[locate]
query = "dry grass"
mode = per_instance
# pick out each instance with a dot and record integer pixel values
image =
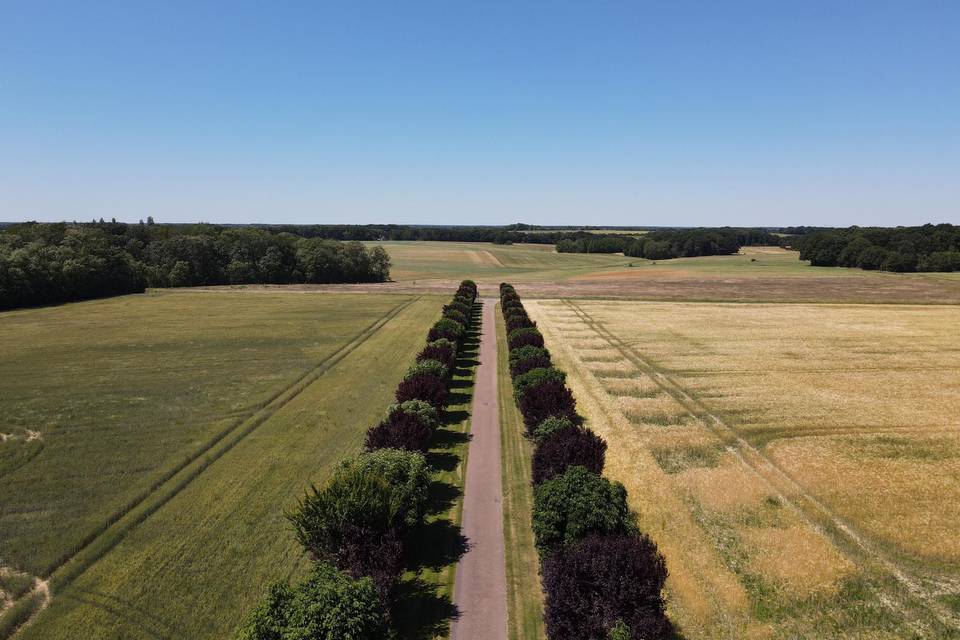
(799, 465)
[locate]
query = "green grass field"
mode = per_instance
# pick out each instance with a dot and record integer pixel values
(175, 430)
(481, 260)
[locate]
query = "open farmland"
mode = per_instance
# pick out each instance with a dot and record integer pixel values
(422, 260)
(756, 274)
(153, 443)
(798, 464)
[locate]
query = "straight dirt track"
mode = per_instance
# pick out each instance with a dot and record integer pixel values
(480, 590)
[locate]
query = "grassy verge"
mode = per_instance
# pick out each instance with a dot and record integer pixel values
(524, 594)
(425, 606)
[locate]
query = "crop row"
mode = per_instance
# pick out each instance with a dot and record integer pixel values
(602, 577)
(356, 527)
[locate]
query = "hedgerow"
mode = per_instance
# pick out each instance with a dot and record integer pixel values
(425, 386)
(566, 448)
(531, 380)
(328, 604)
(551, 399)
(551, 425)
(528, 336)
(603, 579)
(355, 526)
(605, 583)
(576, 503)
(446, 328)
(400, 430)
(441, 350)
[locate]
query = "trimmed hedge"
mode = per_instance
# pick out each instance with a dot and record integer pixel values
(603, 579)
(358, 521)
(401, 430)
(551, 399)
(531, 380)
(441, 350)
(577, 503)
(427, 368)
(551, 425)
(528, 336)
(425, 386)
(446, 328)
(328, 604)
(604, 583)
(576, 446)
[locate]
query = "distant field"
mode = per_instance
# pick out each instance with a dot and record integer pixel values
(798, 464)
(755, 274)
(174, 429)
(481, 260)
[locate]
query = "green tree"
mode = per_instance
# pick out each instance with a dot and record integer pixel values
(576, 503)
(329, 605)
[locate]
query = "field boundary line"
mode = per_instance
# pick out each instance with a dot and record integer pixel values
(116, 528)
(765, 468)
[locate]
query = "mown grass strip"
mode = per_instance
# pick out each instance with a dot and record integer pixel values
(524, 594)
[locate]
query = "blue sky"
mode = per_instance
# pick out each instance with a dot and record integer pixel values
(626, 113)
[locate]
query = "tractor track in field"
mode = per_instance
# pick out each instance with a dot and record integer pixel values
(808, 507)
(118, 525)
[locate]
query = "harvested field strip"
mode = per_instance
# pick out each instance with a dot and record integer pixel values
(912, 596)
(119, 524)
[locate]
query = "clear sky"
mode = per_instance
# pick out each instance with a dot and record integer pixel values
(483, 112)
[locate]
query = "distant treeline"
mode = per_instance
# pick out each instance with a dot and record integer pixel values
(926, 248)
(497, 235)
(676, 243)
(48, 263)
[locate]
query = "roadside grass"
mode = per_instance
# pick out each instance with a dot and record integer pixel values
(524, 592)
(203, 552)
(852, 405)
(425, 603)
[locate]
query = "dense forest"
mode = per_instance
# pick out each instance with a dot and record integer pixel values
(673, 243)
(926, 248)
(50, 263)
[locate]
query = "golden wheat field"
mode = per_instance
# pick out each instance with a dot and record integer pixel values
(797, 464)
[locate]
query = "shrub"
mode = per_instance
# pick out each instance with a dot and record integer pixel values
(606, 587)
(426, 413)
(526, 352)
(531, 380)
(566, 448)
(441, 350)
(355, 523)
(551, 399)
(462, 307)
(524, 337)
(427, 367)
(519, 322)
(577, 503)
(520, 367)
(455, 315)
(329, 604)
(446, 328)
(400, 430)
(551, 425)
(407, 473)
(423, 387)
